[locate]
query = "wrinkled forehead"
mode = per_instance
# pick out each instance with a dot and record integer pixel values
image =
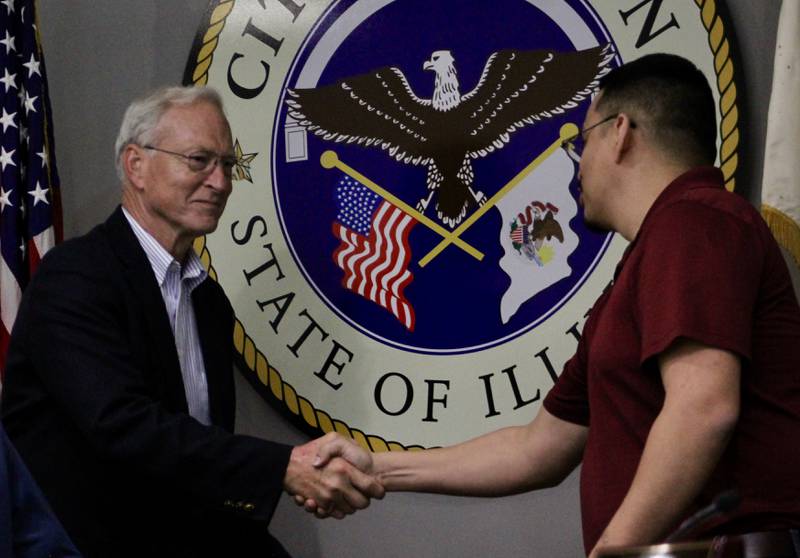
(201, 119)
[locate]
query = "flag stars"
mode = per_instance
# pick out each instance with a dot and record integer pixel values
(39, 194)
(7, 120)
(29, 103)
(5, 199)
(9, 80)
(6, 158)
(8, 42)
(43, 156)
(9, 4)
(356, 205)
(33, 66)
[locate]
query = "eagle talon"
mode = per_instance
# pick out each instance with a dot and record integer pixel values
(423, 203)
(479, 197)
(570, 149)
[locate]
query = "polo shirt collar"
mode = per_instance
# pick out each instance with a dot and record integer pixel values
(693, 179)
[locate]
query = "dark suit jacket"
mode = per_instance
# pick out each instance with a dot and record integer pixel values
(94, 402)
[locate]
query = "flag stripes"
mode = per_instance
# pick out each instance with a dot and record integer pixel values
(375, 265)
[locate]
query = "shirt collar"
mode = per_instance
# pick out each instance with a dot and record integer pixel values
(693, 179)
(161, 260)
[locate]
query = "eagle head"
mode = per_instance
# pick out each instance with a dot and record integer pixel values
(445, 89)
(439, 62)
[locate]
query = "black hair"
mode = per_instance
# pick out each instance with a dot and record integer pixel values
(673, 97)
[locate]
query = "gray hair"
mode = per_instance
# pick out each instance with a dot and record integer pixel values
(143, 115)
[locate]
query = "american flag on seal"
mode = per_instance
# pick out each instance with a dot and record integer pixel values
(30, 205)
(374, 252)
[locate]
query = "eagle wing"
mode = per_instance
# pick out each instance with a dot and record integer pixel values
(375, 108)
(518, 88)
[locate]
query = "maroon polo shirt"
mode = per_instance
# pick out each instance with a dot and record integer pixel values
(703, 266)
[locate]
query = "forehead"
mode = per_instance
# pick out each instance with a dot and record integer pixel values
(591, 114)
(200, 123)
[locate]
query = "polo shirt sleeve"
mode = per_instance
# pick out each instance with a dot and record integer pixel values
(569, 399)
(697, 277)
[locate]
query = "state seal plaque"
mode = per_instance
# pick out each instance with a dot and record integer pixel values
(404, 248)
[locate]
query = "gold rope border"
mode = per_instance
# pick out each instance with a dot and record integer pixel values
(723, 66)
(255, 360)
(210, 41)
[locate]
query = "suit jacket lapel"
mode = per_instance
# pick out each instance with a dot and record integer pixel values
(146, 290)
(215, 329)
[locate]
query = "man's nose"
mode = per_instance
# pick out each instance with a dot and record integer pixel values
(218, 178)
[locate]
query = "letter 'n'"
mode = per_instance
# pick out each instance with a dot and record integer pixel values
(647, 34)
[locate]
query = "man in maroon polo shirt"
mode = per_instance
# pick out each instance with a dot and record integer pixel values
(686, 382)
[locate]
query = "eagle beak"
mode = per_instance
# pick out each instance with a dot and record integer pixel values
(428, 65)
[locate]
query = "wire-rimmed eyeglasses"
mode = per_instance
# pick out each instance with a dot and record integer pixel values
(202, 161)
(578, 140)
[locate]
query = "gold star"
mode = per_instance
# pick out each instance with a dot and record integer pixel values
(242, 169)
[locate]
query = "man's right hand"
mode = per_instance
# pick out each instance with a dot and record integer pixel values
(331, 486)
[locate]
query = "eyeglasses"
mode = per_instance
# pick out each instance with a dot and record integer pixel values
(578, 141)
(202, 161)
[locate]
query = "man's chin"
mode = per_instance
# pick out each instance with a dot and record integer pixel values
(594, 225)
(208, 216)
(206, 225)
(597, 228)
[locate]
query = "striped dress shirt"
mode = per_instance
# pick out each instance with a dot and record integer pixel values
(177, 283)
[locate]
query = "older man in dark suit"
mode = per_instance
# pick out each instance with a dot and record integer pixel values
(119, 391)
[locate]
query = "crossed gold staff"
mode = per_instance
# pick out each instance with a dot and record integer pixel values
(330, 159)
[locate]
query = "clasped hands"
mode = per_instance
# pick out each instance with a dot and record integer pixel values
(332, 476)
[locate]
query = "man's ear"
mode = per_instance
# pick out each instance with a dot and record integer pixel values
(133, 163)
(623, 130)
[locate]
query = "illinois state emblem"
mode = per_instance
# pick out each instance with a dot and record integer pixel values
(404, 246)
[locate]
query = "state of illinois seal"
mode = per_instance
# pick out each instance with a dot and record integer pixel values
(403, 247)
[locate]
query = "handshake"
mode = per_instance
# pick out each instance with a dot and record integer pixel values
(332, 476)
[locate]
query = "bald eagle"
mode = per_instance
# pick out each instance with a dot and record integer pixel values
(516, 89)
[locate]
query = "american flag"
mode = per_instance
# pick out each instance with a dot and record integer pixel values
(30, 208)
(374, 252)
